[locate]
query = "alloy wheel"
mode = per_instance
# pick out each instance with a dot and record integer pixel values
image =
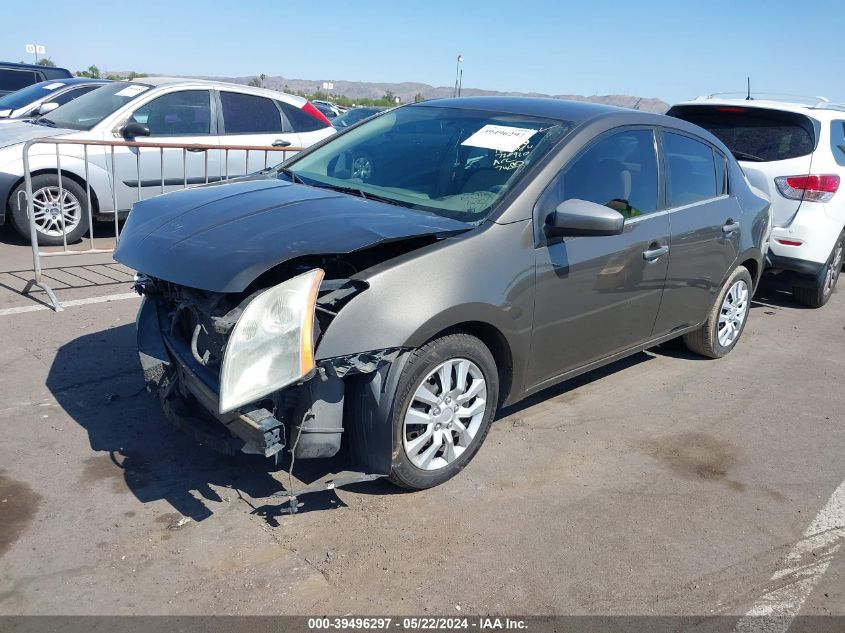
(833, 270)
(52, 216)
(732, 313)
(445, 414)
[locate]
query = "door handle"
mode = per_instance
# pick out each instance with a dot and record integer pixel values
(281, 143)
(195, 149)
(730, 227)
(653, 253)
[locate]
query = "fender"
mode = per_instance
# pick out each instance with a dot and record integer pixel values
(431, 290)
(73, 163)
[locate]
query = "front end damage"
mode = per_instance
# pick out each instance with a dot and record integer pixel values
(182, 336)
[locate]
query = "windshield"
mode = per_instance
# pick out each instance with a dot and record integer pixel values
(30, 94)
(453, 162)
(89, 109)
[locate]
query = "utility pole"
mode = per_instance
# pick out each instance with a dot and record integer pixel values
(458, 75)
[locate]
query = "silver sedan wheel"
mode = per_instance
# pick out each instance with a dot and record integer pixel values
(733, 312)
(833, 270)
(49, 211)
(445, 414)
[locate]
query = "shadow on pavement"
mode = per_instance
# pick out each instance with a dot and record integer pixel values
(774, 291)
(141, 452)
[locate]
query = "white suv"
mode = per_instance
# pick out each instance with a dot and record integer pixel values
(148, 110)
(795, 152)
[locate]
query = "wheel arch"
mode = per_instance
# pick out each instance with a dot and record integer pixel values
(70, 175)
(496, 342)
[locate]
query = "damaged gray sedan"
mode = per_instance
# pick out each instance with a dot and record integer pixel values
(385, 292)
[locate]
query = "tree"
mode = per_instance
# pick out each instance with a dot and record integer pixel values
(388, 96)
(46, 61)
(418, 97)
(93, 72)
(255, 82)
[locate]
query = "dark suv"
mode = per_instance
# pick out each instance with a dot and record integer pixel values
(13, 76)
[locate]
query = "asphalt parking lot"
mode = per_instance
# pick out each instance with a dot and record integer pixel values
(663, 484)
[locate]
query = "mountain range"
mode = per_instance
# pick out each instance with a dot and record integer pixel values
(407, 91)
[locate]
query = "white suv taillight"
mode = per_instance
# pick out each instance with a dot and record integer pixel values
(815, 188)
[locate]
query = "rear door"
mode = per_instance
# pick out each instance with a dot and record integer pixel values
(251, 120)
(768, 144)
(704, 221)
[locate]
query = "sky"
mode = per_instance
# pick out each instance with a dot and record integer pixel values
(673, 50)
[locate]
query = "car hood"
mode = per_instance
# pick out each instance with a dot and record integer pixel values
(16, 132)
(222, 237)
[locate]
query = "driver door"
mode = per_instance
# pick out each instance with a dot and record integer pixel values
(598, 296)
(182, 117)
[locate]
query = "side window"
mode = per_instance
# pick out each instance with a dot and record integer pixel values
(837, 141)
(301, 121)
(70, 95)
(248, 114)
(619, 171)
(691, 172)
(185, 113)
(13, 80)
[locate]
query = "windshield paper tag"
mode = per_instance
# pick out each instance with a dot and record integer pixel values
(53, 86)
(131, 91)
(500, 137)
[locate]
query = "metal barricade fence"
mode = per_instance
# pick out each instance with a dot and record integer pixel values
(108, 160)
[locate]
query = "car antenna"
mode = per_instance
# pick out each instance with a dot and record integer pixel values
(749, 97)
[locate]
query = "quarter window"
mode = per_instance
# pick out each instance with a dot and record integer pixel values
(619, 171)
(837, 141)
(248, 114)
(185, 113)
(300, 120)
(721, 174)
(691, 171)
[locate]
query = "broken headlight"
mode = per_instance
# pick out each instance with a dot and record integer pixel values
(271, 345)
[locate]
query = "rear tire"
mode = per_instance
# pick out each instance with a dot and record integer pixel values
(437, 430)
(45, 188)
(819, 293)
(727, 318)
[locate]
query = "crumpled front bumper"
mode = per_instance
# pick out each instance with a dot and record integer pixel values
(188, 393)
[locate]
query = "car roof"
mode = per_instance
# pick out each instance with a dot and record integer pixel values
(546, 107)
(34, 67)
(188, 81)
(72, 81)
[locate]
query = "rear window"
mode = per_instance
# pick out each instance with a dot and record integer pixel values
(12, 80)
(837, 141)
(754, 134)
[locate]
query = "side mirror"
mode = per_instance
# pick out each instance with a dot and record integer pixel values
(573, 218)
(133, 130)
(44, 108)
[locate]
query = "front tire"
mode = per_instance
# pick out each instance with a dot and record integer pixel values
(727, 318)
(49, 210)
(446, 398)
(819, 293)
